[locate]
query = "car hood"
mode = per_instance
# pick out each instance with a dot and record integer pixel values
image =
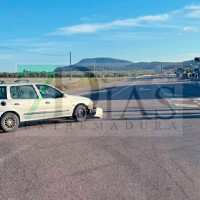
(78, 98)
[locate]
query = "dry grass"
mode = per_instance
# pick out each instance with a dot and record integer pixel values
(67, 84)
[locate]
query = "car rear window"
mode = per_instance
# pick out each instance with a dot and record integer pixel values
(3, 93)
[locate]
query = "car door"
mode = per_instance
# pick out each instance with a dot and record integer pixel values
(26, 101)
(56, 103)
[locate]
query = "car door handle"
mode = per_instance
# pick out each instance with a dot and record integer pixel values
(16, 104)
(47, 102)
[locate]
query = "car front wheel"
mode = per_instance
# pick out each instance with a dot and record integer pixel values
(9, 122)
(80, 113)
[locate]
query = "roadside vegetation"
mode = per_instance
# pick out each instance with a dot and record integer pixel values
(67, 84)
(79, 79)
(77, 74)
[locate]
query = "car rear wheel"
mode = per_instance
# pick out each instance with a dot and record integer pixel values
(80, 113)
(9, 122)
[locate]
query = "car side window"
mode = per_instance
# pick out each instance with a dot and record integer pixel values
(49, 92)
(23, 92)
(14, 92)
(3, 93)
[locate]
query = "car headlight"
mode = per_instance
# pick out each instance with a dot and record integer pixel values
(90, 105)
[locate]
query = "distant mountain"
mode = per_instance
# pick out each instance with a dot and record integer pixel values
(152, 65)
(109, 62)
(89, 64)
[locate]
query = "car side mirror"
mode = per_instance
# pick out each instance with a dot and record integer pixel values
(64, 95)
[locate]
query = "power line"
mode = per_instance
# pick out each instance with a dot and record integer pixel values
(30, 52)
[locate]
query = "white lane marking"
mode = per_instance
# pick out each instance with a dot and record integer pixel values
(8, 156)
(168, 100)
(99, 91)
(85, 93)
(170, 95)
(197, 101)
(122, 90)
(186, 105)
(180, 99)
(118, 92)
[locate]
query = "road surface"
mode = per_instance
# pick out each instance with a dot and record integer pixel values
(146, 147)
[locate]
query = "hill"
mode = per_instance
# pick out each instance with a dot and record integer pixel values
(99, 64)
(89, 64)
(111, 62)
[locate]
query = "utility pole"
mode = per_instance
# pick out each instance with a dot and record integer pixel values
(94, 69)
(70, 65)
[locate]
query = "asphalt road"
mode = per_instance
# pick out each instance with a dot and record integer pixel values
(146, 147)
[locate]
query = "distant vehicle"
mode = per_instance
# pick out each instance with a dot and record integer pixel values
(25, 101)
(179, 71)
(183, 76)
(193, 75)
(197, 59)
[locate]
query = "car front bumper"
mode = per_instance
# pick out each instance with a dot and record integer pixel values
(97, 112)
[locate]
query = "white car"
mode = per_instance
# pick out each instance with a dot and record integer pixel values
(26, 101)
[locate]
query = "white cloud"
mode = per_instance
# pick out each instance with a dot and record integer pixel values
(153, 18)
(193, 7)
(82, 28)
(194, 14)
(194, 10)
(137, 21)
(95, 27)
(190, 28)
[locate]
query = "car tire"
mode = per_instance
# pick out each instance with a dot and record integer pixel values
(80, 113)
(9, 122)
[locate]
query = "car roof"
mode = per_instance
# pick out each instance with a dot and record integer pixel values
(18, 83)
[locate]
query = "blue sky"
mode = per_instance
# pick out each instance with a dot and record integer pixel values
(44, 32)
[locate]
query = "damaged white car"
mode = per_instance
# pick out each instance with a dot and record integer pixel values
(26, 101)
